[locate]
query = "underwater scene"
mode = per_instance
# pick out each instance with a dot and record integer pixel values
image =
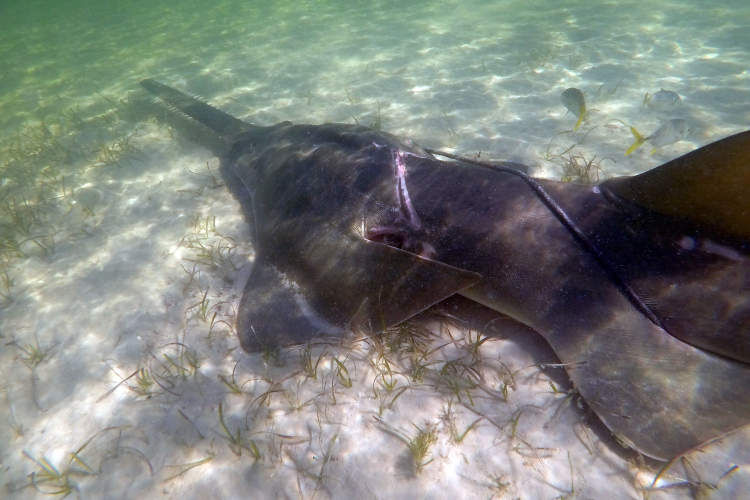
(510, 343)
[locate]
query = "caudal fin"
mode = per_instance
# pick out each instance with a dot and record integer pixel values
(639, 140)
(218, 121)
(581, 116)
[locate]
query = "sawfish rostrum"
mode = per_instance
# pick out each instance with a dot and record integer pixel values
(641, 285)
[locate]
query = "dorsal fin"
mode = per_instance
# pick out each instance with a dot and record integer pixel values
(218, 121)
(710, 186)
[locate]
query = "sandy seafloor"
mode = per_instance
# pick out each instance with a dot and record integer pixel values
(130, 255)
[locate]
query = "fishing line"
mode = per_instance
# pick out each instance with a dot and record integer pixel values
(569, 225)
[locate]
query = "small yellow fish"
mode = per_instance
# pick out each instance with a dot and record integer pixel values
(572, 99)
(669, 133)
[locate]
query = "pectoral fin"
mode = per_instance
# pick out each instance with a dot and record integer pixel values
(364, 285)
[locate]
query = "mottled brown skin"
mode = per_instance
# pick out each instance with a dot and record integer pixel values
(356, 229)
(654, 391)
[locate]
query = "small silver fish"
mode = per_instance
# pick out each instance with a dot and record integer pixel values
(662, 101)
(572, 99)
(669, 133)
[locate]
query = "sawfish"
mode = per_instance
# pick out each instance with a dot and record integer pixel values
(641, 285)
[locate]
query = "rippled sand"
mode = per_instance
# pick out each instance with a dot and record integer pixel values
(121, 376)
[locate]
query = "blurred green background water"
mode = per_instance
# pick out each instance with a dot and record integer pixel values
(94, 196)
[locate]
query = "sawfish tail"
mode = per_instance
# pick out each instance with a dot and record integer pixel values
(218, 121)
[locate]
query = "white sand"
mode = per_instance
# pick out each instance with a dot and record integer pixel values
(116, 294)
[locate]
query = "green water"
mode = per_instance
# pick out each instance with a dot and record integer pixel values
(106, 216)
